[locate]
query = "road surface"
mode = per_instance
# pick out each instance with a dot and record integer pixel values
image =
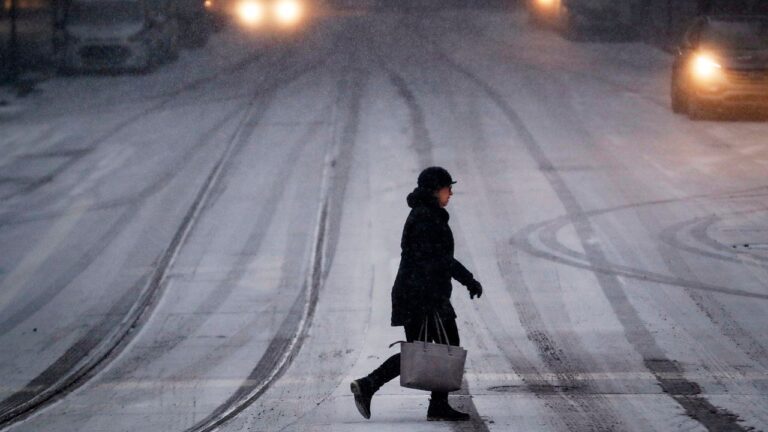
(212, 246)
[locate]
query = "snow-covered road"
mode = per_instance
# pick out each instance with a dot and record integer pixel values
(212, 246)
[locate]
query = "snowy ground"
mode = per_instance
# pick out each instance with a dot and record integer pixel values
(212, 245)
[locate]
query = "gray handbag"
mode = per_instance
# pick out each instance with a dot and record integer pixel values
(431, 366)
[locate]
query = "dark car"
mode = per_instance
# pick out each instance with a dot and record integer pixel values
(721, 64)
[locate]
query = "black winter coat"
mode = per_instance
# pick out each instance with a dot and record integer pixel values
(423, 282)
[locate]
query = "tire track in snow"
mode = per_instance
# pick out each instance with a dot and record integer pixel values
(699, 292)
(133, 201)
(68, 371)
(255, 238)
(706, 301)
(286, 345)
(75, 367)
(685, 392)
(696, 229)
(352, 82)
(164, 100)
(11, 319)
(553, 250)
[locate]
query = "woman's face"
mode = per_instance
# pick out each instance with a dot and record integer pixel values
(444, 195)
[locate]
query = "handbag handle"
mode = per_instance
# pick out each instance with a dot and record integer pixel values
(439, 325)
(424, 329)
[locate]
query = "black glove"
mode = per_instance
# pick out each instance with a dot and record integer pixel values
(475, 289)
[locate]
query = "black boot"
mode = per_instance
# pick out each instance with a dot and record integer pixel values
(363, 389)
(440, 410)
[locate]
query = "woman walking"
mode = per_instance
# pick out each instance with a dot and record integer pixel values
(423, 286)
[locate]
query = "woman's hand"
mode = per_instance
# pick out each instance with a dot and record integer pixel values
(475, 289)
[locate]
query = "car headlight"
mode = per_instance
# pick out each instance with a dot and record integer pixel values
(251, 12)
(288, 11)
(545, 4)
(705, 67)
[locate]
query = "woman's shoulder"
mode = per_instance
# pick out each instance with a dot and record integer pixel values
(427, 216)
(421, 214)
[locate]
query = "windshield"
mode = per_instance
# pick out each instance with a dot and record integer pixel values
(737, 35)
(107, 12)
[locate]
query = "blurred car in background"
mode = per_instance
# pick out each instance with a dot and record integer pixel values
(259, 14)
(586, 19)
(118, 35)
(722, 64)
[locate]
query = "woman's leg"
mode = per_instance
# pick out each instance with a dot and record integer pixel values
(385, 373)
(390, 369)
(439, 409)
(364, 388)
(452, 332)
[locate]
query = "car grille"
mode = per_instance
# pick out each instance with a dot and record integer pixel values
(748, 98)
(750, 78)
(105, 54)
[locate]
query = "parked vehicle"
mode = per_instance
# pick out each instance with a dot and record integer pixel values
(109, 35)
(722, 63)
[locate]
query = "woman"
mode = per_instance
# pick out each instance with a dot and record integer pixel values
(423, 286)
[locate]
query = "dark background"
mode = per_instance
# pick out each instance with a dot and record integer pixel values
(659, 22)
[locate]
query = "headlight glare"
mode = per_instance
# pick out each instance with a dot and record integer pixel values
(288, 11)
(250, 12)
(705, 66)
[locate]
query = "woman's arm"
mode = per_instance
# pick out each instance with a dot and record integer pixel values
(460, 273)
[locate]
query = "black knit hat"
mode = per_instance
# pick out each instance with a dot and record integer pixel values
(434, 178)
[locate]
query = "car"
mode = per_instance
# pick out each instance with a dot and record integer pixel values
(259, 15)
(721, 64)
(117, 35)
(584, 20)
